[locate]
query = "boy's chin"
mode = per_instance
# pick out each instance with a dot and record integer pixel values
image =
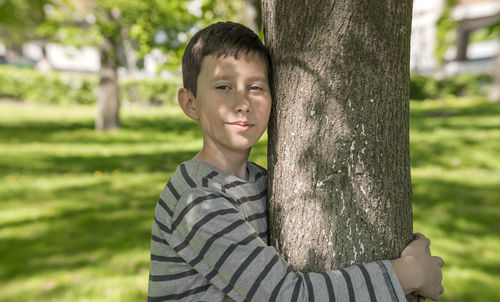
(243, 148)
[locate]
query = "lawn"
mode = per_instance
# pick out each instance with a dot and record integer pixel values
(76, 205)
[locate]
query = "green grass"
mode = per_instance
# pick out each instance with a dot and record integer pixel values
(76, 206)
(455, 156)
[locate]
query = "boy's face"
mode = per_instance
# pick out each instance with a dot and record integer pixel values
(233, 101)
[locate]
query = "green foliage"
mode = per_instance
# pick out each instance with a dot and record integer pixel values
(21, 12)
(428, 87)
(491, 32)
(88, 22)
(18, 20)
(445, 30)
(70, 88)
(77, 206)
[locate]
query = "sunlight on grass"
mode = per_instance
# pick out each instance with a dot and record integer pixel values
(76, 205)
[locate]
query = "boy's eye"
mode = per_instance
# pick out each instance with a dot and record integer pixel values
(223, 87)
(254, 87)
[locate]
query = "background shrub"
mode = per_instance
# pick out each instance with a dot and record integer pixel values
(428, 87)
(69, 88)
(152, 91)
(47, 87)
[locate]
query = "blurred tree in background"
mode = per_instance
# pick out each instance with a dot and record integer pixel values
(122, 31)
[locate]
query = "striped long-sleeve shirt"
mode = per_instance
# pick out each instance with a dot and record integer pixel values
(209, 243)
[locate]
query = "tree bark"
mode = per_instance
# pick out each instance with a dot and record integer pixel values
(108, 98)
(338, 153)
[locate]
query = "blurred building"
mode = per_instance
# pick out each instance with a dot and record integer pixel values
(423, 35)
(61, 57)
(464, 56)
(84, 59)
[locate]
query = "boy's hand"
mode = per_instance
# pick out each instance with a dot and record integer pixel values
(418, 271)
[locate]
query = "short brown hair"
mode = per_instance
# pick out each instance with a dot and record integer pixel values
(219, 39)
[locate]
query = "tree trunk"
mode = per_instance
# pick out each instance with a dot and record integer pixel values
(108, 99)
(14, 53)
(494, 94)
(338, 154)
(130, 60)
(43, 63)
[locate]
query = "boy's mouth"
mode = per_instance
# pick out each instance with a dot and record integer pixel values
(242, 125)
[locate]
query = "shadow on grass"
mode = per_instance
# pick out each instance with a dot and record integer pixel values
(430, 124)
(456, 153)
(96, 222)
(477, 107)
(45, 163)
(465, 135)
(83, 131)
(454, 202)
(146, 130)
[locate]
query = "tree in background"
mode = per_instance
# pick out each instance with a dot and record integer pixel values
(121, 30)
(338, 153)
(494, 94)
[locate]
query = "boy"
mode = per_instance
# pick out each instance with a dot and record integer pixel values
(209, 240)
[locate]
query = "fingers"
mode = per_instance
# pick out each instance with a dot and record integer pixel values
(438, 260)
(419, 237)
(437, 295)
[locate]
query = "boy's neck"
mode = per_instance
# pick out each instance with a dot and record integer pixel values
(234, 163)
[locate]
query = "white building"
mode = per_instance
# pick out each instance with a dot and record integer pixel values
(423, 35)
(462, 57)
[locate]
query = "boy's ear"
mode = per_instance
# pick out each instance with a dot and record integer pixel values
(187, 102)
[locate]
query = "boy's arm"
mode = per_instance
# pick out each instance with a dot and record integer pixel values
(418, 271)
(219, 244)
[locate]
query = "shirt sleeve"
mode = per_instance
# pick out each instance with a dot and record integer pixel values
(210, 234)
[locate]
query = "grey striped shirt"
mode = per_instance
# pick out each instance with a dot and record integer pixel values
(209, 243)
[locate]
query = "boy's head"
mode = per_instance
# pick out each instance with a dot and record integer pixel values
(220, 39)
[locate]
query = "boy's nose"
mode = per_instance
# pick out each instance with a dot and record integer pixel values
(242, 104)
(243, 108)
